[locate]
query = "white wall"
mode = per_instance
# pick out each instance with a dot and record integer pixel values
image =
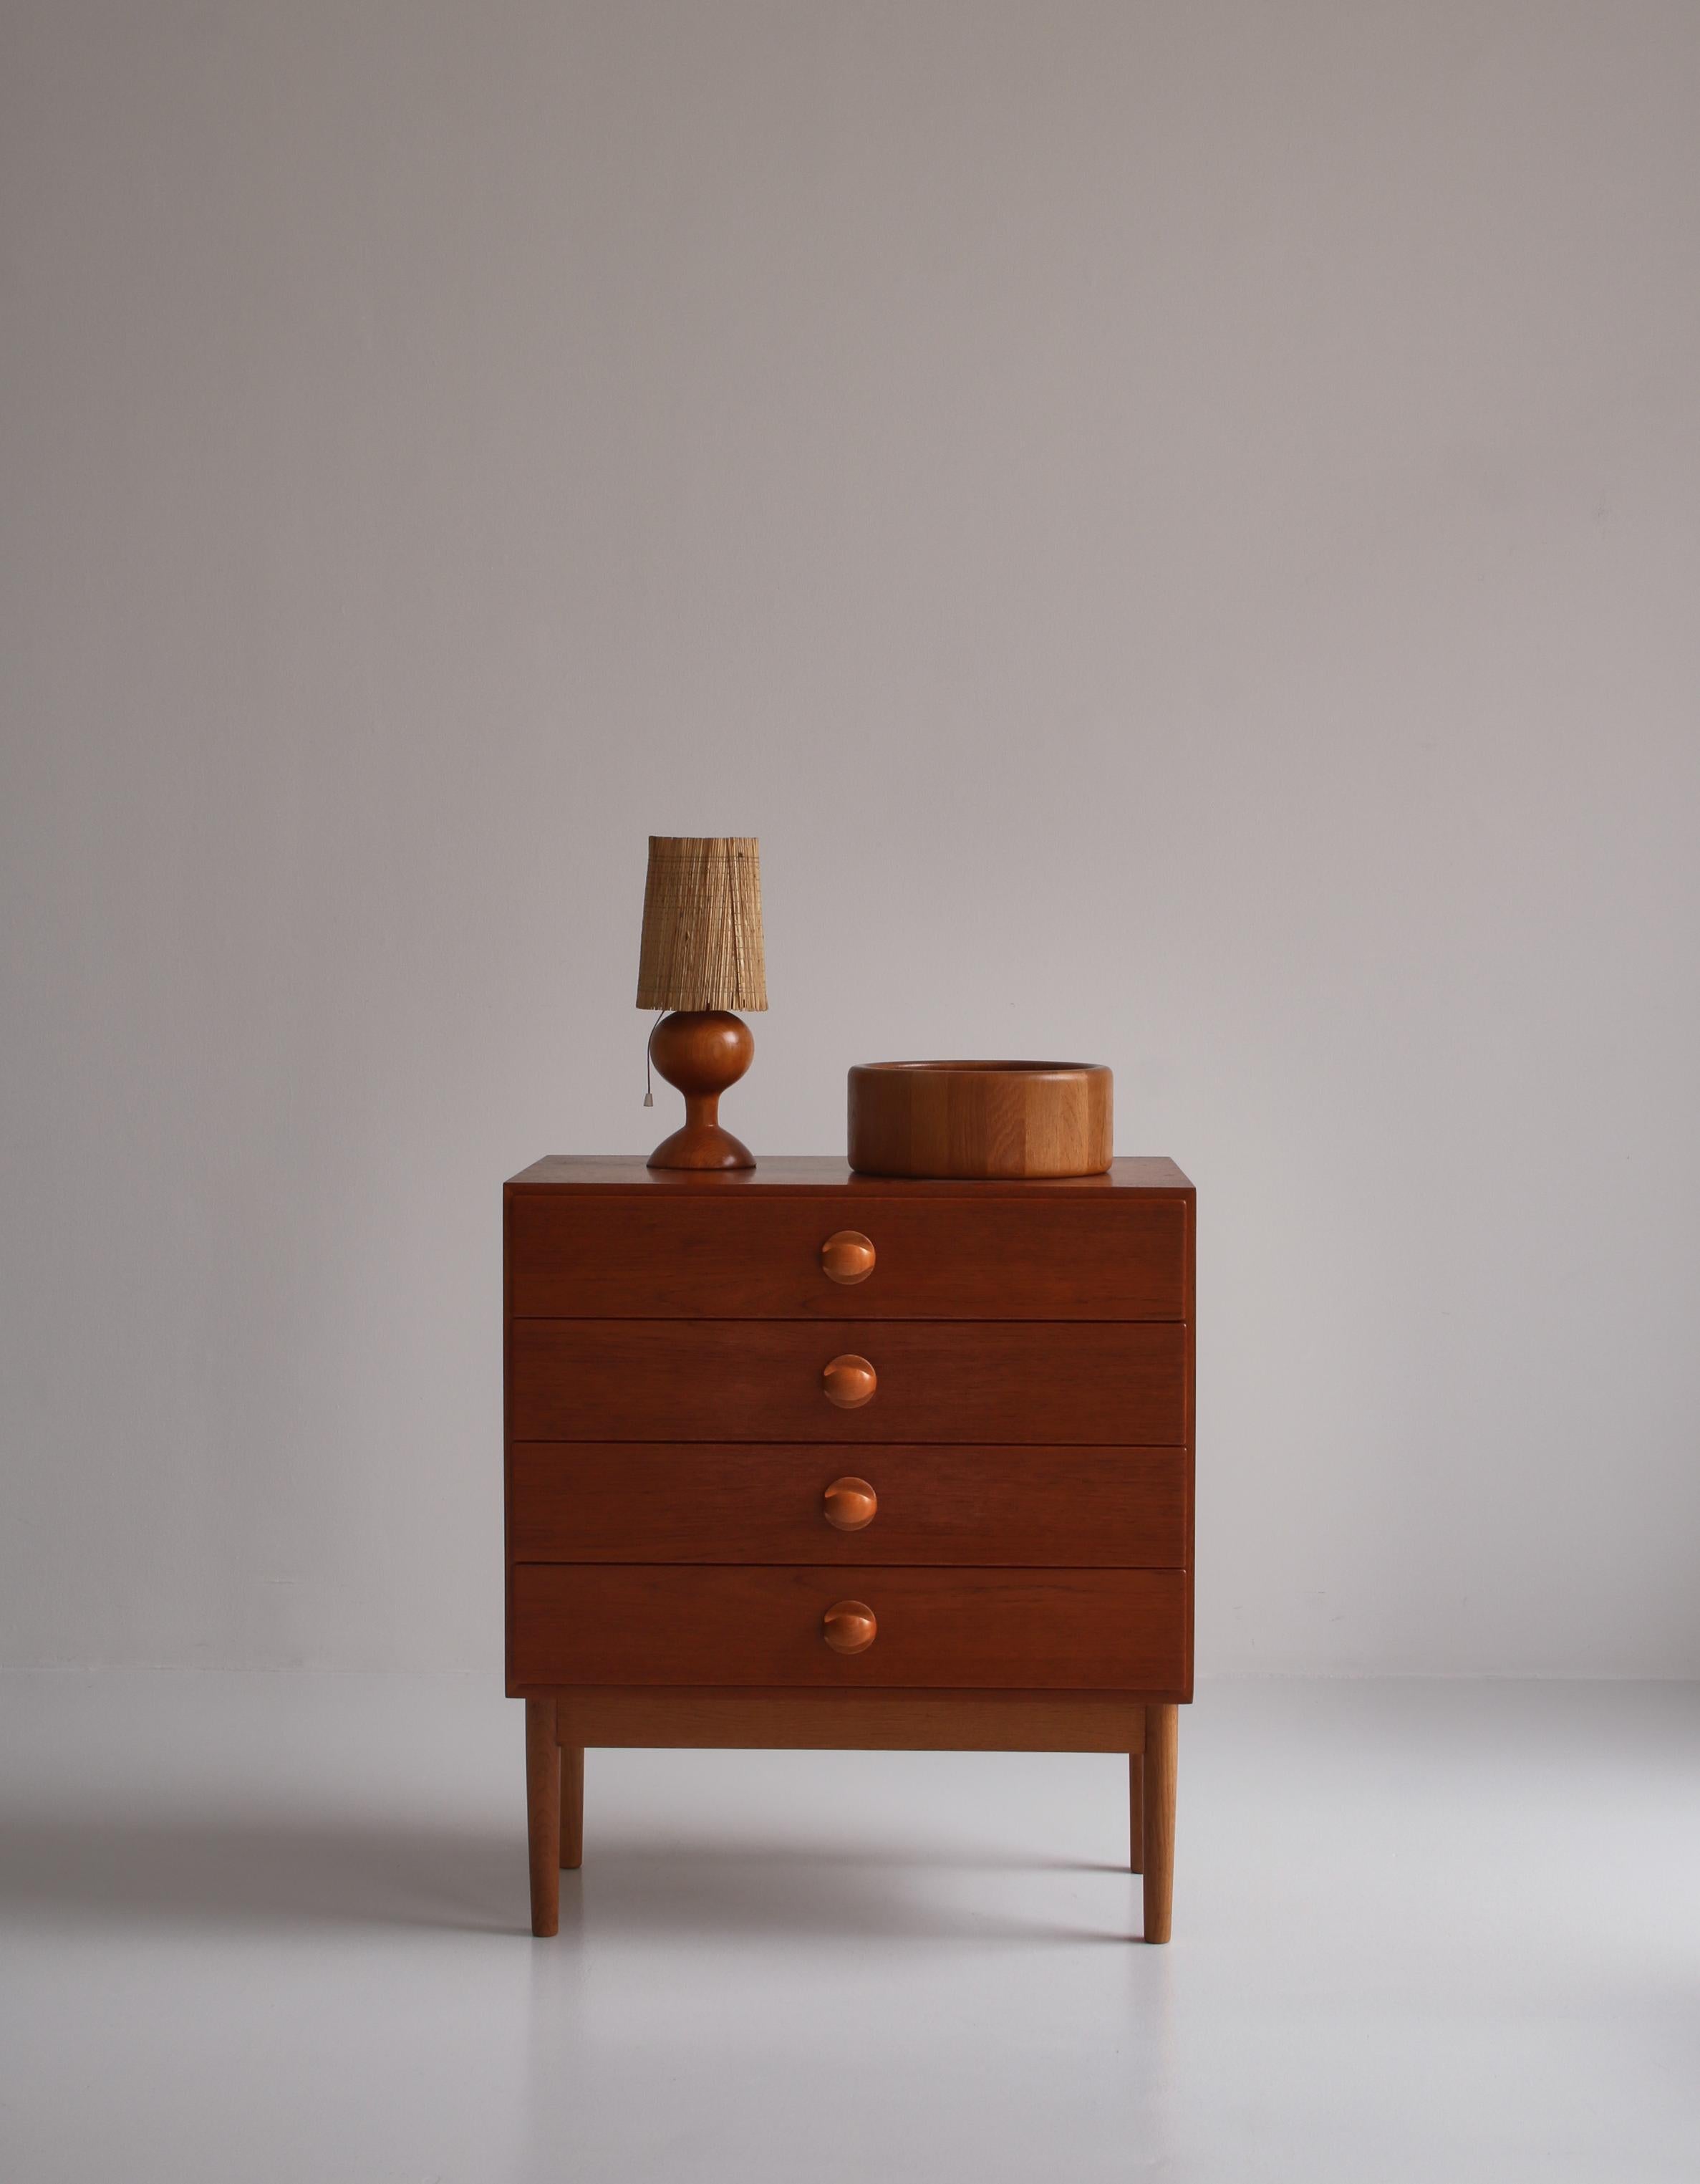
(1177, 527)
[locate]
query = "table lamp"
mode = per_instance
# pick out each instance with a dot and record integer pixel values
(701, 958)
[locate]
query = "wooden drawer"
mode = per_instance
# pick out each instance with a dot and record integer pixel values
(748, 1502)
(609, 1257)
(966, 1628)
(728, 1379)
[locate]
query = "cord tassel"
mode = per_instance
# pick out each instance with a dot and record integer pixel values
(648, 1081)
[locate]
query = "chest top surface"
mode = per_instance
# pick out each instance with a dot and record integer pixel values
(1140, 1174)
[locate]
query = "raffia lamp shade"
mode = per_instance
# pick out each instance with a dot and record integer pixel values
(701, 944)
(700, 958)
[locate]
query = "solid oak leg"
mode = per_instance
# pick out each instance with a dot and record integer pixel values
(543, 1814)
(1162, 1738)
(572, 1807)
(1135, 1811)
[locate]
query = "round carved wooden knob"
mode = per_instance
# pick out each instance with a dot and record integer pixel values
(849, 1382)
(850, 1504)
(849, 1626)
(847, 1256)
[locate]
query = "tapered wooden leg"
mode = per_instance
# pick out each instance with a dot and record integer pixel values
(572, 1807)
(543, 1814)
(1162, 1739)
(1135, 1811)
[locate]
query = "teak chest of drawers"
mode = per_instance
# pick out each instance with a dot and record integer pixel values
(796, 1457)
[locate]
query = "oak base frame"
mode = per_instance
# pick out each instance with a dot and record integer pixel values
(560, 1724)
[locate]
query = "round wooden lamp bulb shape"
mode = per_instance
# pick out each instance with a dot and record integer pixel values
(701, 1052)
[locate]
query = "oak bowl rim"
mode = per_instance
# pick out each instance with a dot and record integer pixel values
(1056, 1069)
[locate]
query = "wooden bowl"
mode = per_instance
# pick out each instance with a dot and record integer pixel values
(979, 1119)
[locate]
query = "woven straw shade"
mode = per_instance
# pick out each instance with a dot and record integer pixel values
(702, 924)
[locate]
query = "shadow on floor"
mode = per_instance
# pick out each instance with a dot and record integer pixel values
(641, 1891)
(235, 1872)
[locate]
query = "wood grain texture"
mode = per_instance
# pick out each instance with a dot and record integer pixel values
(684, 1255)
(1004, 1630)
(791, 1173)
(1157, 1770)
(980, 1119)
(852, 1721)
(624, 1501)
(760, 1380)
(543, 1814)
(1026, 1456)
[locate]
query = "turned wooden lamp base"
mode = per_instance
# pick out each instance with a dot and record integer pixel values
(701, 1052)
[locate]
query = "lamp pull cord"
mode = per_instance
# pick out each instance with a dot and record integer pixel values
(648, 1086)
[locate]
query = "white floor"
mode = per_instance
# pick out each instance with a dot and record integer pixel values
(274, 1928)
